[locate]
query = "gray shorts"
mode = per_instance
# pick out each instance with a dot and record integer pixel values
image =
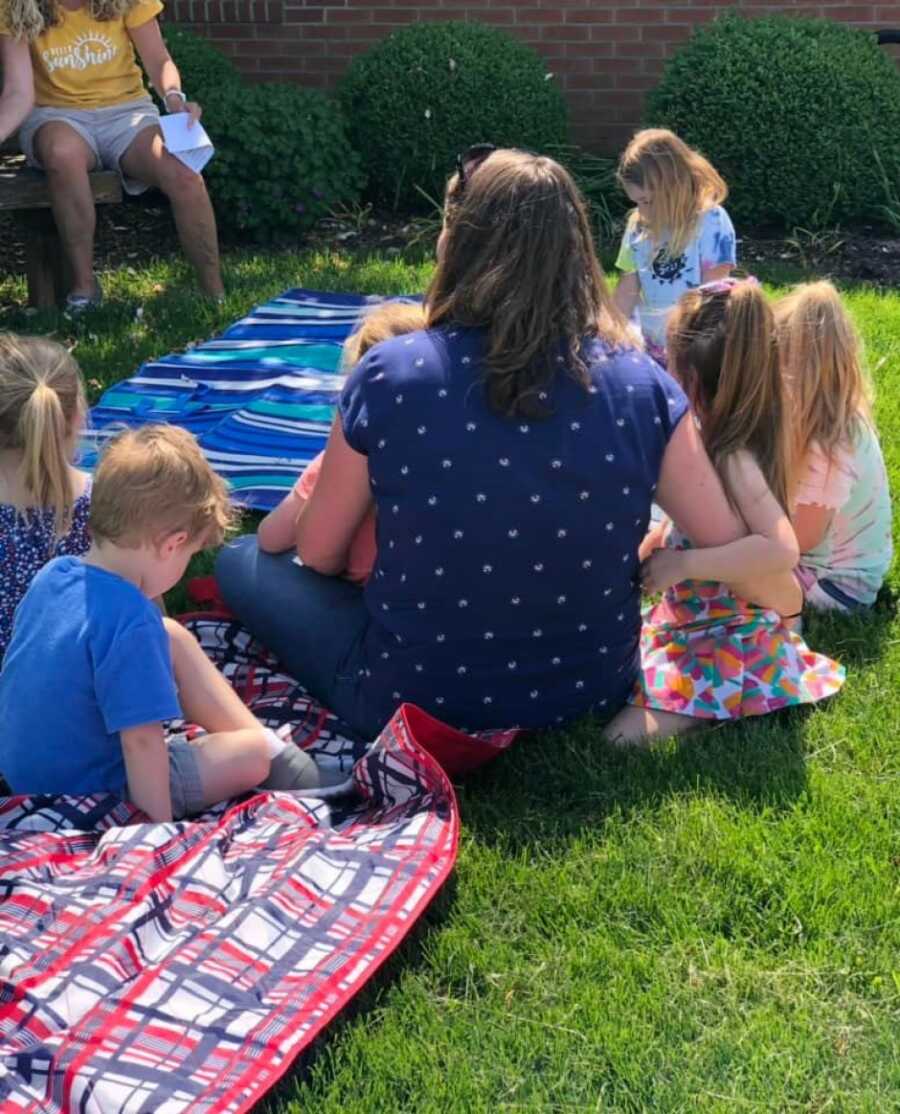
(185, 786)
(109, 132)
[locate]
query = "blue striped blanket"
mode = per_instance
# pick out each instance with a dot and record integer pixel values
(260, 397)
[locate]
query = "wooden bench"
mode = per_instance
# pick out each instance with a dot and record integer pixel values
(24, 192)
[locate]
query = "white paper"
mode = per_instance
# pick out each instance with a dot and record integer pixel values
(189, 144)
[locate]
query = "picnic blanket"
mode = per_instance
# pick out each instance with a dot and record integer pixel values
(160, 968)
(260, 397)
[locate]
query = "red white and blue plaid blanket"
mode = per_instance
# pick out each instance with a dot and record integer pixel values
(182, 967)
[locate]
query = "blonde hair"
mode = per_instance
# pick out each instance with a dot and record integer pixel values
(155, 481)
(41, 402)
(26, 19)
(518, 259)
(721, 345)
(682, 183)
(390, 319)
(821, 353)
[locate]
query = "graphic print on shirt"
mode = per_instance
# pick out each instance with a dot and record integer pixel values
(667, 268)
(90, 49)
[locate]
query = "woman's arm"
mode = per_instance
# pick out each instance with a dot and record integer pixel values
(17, 99)
(690, 492)
(757, 566)
(161, 70)
(339, 502)
(627, 294)
(278, 530)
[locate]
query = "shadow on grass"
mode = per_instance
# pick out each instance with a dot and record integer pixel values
(553, 786)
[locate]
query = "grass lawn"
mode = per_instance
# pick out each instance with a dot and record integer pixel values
(714, 927)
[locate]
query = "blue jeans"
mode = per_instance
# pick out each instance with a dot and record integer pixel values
(315, 625)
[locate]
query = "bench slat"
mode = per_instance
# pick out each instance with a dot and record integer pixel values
(27, 189)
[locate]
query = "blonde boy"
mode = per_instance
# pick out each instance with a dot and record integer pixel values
(93, 669)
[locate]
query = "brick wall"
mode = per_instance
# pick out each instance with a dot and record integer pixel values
(606, 53)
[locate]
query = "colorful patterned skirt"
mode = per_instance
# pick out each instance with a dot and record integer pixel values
(708, 654)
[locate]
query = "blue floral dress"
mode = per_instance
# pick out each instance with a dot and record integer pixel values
(27, 543)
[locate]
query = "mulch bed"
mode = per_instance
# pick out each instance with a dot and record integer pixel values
(141, 229)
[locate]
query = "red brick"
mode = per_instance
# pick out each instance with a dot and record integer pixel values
(346, 15)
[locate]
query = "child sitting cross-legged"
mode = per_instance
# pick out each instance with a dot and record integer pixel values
(93, 669)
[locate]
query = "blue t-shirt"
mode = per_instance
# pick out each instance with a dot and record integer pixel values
(663, 279)
(505, 589)
(89, 657)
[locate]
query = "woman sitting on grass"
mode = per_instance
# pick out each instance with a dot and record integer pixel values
(512, 450)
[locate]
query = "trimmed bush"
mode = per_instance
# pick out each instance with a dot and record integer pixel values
(431, 90)
(282, 159)
(204, 69)
(801, 117)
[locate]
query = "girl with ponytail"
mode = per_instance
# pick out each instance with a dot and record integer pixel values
(708, 653)
(44, 499)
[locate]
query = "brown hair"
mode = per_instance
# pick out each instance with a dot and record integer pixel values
(155, 481)
(721, 345)
(682, 183)
(822, 358)
(519, 259)
(29, 18)
(41, 400)
(390, 319)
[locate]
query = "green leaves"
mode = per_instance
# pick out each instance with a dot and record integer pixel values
(431, 90)
(792, 112)
(283, 159)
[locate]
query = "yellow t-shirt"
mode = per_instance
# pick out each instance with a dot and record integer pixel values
(88, 63)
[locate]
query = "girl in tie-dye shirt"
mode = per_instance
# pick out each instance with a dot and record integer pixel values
(842, 507)
(677, 238)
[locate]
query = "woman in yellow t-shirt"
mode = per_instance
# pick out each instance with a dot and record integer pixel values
(72, 80)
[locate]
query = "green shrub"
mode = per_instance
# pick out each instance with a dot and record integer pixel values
(431, 90)
(795, 113)
(204, 70)
(282, 159)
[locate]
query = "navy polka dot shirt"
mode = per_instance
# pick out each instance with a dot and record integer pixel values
(505, 591)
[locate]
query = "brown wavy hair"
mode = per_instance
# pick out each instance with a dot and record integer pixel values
(722, 346)
(681, 182)
(26, 19)
(518, 259)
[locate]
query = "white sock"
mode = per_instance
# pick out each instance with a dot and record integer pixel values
(274, 743)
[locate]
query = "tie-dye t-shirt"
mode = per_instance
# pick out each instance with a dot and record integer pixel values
(664, 280)
(856, 551)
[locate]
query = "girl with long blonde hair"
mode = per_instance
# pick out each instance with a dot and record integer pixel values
(707, 652)
(842, 507)
(677, 237)
(44, 499)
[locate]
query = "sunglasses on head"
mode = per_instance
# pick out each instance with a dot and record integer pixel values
(471, 159)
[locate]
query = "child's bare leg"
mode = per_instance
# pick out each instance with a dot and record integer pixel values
(206, 697)
(231, 762)
(230, 754)
(635, 726)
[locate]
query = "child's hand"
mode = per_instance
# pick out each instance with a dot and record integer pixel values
(662, 569)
